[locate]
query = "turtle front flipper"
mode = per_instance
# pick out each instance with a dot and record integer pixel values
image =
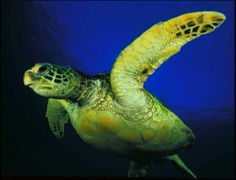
(57, 117)
(144, 55)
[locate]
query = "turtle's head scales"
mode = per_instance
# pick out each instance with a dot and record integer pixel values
(50, 80)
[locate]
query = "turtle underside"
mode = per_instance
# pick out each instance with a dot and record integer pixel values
(108, 126)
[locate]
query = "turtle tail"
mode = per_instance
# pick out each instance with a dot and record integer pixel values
(181, 165)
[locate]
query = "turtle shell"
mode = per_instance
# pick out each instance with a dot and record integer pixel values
(108, 132)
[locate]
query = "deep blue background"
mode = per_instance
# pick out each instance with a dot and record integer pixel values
(197, 84)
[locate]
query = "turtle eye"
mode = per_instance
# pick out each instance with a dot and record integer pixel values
(44, 68)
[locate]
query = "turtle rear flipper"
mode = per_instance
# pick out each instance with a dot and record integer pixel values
(156, 45)
(181, 165)
(57, 117)
(138, 169)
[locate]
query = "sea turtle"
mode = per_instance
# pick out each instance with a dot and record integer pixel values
(113, 112)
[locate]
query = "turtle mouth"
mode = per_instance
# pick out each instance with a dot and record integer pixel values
(46, 88)
(28, 84)
(36, 86)
(42, 90)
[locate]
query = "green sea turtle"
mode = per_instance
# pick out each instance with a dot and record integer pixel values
(113, 112)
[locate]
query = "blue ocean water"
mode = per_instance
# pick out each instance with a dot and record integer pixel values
(197, 83)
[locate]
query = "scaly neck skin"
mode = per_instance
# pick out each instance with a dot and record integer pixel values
(84, 88)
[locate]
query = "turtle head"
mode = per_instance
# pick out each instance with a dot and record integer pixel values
(51, 80)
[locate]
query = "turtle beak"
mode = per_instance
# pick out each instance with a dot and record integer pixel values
(29, 77)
